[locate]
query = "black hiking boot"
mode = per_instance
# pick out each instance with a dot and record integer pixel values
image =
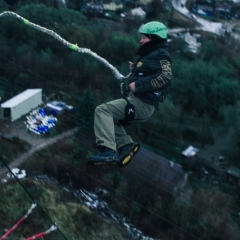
(126, 153)
(107, 156)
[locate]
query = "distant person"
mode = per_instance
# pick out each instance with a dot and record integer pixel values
(149, 75)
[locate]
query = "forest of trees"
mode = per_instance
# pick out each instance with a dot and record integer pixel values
(204, 90)
(203, 98)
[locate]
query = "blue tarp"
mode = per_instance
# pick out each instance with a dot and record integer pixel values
(39, 122)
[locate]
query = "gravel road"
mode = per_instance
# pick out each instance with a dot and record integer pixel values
(17, 129)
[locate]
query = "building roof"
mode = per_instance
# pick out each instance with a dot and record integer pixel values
(138, 12)
(190, 151)
(21, 97)
(233, 171)
(112, 6)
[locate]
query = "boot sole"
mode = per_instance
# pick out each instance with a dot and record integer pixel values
(126, 159)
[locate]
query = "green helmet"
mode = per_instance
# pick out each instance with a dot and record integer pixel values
(155, 28)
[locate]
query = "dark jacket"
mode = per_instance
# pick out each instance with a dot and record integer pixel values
(152, 71)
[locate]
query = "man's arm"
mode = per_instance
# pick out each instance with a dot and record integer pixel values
(157, 81)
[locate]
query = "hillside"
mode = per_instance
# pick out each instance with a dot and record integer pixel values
(153, 197)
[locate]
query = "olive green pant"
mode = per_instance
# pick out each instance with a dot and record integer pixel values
(108, 130)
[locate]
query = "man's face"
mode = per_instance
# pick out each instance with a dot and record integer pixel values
(144, 39)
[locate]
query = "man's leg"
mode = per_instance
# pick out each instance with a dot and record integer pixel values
(111, 134)
(126, 147)
(104, 127)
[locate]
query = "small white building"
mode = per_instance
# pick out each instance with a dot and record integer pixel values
(21, 104)
(112, 6)
(138, 12)
(190, 151)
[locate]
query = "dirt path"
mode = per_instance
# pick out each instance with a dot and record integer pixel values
(37, 144)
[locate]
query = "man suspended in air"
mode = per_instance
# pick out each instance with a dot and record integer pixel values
(142, 88)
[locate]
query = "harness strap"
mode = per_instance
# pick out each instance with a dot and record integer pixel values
(129, 111)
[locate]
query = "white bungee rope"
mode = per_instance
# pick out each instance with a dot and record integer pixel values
(115, 72)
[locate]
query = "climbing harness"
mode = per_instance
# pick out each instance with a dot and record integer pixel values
(123, 87)
(115, 72)
(129, 109)
(159, 96)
